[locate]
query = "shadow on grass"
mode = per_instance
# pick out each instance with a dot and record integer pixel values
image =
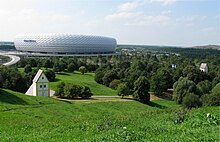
(63, 73)
(56, 80)
(153, 104)
(71, 99)
(10, 98)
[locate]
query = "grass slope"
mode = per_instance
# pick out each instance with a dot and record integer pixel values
(26, 118)
(86, 79)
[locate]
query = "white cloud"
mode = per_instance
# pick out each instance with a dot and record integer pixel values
(138, 19)
(128, 6)
(122, 16)
(166, 12)
(165, 2)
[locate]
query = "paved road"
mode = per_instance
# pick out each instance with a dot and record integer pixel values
(14, 59)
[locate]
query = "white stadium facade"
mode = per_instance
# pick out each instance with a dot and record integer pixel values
(65, 44)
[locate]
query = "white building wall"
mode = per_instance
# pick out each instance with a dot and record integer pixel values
(34, 89)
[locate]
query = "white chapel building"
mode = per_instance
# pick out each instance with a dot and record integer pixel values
(204, 67)
(40, 86)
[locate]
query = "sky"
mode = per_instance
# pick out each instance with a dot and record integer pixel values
(143, 22)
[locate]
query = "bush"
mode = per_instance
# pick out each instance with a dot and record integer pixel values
(86, 92)
(182, 87)
(191, 100)
(69, 90)
(72, 90)
(114, 84)
(179, 115)
(212, 99)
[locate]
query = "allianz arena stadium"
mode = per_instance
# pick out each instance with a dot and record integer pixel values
(64, 44)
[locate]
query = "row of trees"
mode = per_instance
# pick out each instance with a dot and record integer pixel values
(69, 90)
(60, 64)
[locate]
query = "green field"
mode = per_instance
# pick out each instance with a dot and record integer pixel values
(86, 80)
(26, 118)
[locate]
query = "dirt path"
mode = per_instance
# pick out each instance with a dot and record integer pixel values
(96, 99)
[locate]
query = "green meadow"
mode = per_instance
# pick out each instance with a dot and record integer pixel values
(87, 80)
(27, 118)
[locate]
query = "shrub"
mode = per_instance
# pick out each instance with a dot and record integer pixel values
(114, 84)
(191, 100)
(86, 92)
(212, 99)
(69, 90)
(182, 87)
(72, 90)
(179, 115)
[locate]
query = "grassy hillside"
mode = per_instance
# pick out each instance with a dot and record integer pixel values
(86, 79)
(26, 118)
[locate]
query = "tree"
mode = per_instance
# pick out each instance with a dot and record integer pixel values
(204, 87)
(82, 69)
(57, 67)
(27, 68)
(109, 77)
(86, 92)
(161, 81)
(71, 67)
(182, 87)
(141, 88)
(123, 90)
(48, 63)
(72, 90)
(114, 84)
(50, 75)
(99, 74)
(60, 89)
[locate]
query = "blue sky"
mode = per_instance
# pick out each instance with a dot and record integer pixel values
(150, 22)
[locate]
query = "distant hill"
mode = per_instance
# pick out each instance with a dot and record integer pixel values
(145, 46)
(6, 43)
(208, 47)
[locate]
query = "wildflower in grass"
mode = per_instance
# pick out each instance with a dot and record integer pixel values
(208, 114)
